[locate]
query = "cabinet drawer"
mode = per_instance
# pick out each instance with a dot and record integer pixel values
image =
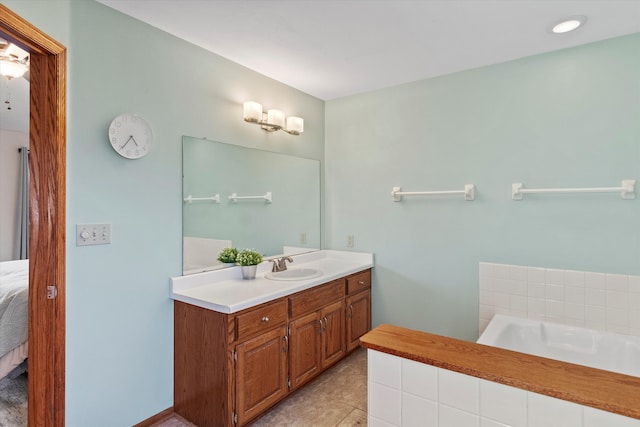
(315, 298)
(358, 282)
(261, 319)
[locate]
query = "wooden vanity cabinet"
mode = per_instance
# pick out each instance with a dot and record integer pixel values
(261, 361)
(261, 373)
(358, 308)
(230, 368)
(333, 346)
(304, 348)
(316, 330)
(204, 383)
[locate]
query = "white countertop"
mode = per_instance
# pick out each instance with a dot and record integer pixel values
(226, 292)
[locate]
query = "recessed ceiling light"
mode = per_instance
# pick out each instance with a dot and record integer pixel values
(569, 24)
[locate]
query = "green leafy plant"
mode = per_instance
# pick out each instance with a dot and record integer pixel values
(228, 255)
(248, 257)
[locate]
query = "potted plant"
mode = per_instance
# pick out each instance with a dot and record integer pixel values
(248, 260)
(228, 256)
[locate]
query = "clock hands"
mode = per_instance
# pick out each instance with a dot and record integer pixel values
(130, 138)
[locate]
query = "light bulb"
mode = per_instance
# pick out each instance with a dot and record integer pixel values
(275, 118)
(295, 125)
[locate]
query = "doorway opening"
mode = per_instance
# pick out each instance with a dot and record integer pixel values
(14, 262)
(47, 174)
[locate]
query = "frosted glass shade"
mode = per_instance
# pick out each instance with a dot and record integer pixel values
(275, 118)
(12, 69)
(295, 125)
(252, 112)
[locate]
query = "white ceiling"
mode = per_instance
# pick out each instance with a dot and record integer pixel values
(335, 48)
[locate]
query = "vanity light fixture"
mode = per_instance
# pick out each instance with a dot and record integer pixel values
(569, 24)
(272, 120)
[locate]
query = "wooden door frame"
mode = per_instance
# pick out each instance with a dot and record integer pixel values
(47, 170)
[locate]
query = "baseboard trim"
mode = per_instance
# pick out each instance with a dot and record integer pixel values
(161, 416)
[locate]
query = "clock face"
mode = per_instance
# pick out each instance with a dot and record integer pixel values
(130, 135)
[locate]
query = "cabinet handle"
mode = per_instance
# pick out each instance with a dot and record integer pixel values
(286, 343)
(361, 282)
(322, 328)
(265, 319)
(350, 310)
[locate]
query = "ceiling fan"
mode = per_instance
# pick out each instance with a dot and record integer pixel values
(14, 62)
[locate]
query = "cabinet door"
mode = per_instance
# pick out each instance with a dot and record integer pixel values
(304, 354)
(261, 373)
(332, 336)
(358, 317)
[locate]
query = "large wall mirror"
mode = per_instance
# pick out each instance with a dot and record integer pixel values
(213, 172)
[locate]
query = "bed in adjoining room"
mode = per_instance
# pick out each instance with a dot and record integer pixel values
(14, 302)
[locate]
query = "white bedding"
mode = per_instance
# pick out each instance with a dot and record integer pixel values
(14, 300)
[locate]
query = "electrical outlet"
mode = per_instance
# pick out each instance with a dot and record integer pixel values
(350, 241)
(303, 238)
(93, 234)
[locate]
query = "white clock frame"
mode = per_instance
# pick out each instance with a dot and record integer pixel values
(130, 136)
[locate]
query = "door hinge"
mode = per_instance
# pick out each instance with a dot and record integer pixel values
(235, 418)
(52, 292)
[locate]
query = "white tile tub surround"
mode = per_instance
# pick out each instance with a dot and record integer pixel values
(406, 393)
(600, 301)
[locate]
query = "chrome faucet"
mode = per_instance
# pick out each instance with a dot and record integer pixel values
(280, 264)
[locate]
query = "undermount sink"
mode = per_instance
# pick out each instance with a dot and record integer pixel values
(294, 274)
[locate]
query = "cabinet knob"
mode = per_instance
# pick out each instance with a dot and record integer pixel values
(361, 282)
(265, 319)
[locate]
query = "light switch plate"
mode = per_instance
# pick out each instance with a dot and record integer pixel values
(93, 234)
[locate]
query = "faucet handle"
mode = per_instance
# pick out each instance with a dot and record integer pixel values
(283, 262)
(280, 264)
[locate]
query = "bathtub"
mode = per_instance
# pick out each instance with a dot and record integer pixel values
(602, 350)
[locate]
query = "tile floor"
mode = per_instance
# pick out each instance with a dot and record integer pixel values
(337, 398)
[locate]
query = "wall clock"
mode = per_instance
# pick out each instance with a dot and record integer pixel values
(130, 135)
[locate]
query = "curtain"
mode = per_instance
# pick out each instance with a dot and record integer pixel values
(22, 232)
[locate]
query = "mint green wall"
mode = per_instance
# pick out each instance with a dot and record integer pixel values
(564, 119)
(569, 118)
(119, 315)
